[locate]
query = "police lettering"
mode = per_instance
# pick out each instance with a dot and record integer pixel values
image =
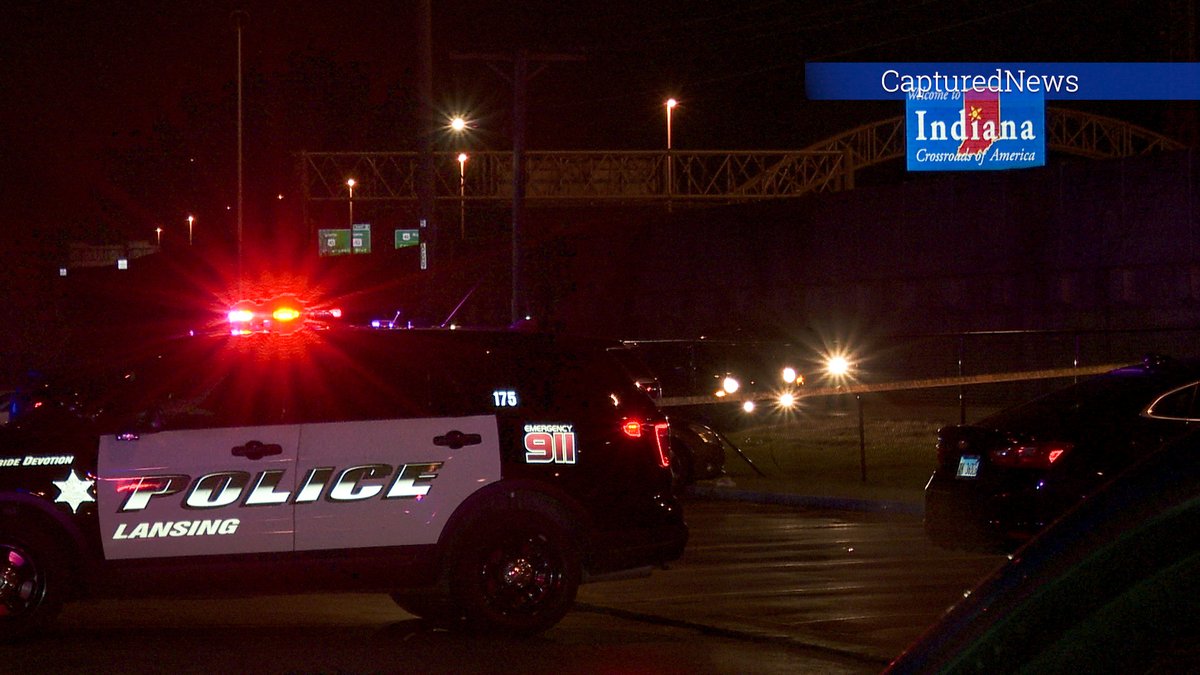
(226, 488)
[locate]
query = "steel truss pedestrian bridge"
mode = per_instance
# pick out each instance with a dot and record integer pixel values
(678, 177)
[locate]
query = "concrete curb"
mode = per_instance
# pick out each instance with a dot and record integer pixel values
(807, 501)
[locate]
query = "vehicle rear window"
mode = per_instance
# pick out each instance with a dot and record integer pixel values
(1120, 394)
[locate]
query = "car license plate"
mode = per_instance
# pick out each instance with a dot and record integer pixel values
(968, 466)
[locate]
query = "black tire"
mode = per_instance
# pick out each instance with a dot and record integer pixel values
(514, 572)
(31, 583)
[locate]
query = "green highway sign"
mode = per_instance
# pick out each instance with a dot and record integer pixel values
(360, 238)
(406, 238)
(333, 242)
(344, 241)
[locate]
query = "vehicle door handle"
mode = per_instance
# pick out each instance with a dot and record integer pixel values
(457, 439)
(257, 450)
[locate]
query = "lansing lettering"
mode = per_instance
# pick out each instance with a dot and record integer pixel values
(178, 528)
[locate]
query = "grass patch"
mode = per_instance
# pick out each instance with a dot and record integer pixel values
(821, 453)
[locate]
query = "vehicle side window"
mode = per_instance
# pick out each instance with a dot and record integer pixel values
(583, 380)
(1179, 404)
(472, 379)
(219, 390)
(369, 384)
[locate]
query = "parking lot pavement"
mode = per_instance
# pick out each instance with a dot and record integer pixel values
(776, 490)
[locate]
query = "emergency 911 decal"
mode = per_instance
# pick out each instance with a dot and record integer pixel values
(550, 444)
(324, 486)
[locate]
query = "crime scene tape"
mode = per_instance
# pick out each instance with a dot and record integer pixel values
(900, 385)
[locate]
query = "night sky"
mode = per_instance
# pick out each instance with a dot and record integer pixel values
(120, 115)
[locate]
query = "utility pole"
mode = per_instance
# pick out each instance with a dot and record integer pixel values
(520, 78)
(239, 21)
(425, 131)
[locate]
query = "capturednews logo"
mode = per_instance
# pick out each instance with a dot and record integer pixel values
(1078, 81)
(1001, 80)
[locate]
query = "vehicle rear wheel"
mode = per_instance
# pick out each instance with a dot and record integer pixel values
(30, 583)
(515, 572)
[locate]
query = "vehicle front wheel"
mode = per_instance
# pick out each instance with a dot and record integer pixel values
(30, 584)
(515, 573)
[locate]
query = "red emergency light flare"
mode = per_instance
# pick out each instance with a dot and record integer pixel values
(285, 314)
(241, 315)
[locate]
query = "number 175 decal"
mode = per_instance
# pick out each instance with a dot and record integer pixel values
(549, 443)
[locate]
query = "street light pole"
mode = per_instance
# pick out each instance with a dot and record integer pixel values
(158, 235)
(459, 125)
(190, 219)
(462, 195)
(671, 103)
(239, 20)
(350, 184)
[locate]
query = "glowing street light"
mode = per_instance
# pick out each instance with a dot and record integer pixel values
(158, 234)
(730, 384)
(458, 123)
(191, 220)
(837, 365)
(350, 184)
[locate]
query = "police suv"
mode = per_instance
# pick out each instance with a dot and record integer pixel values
(478, 477)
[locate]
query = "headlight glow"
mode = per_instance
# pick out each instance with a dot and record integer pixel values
(730, 384)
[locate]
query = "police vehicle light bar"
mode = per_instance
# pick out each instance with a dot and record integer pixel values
(285, 314)
(282, 314)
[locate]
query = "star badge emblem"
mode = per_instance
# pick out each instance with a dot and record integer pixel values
(74, 491)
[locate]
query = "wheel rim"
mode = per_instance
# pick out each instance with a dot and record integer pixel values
(522, 574)
(22, 582)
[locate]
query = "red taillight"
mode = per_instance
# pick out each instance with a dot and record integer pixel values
(632, 428)
(1034, 455)
(662, 438)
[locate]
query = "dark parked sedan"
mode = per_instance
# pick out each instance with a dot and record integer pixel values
(1111, 587)
(1005, 477)
(697, 451)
